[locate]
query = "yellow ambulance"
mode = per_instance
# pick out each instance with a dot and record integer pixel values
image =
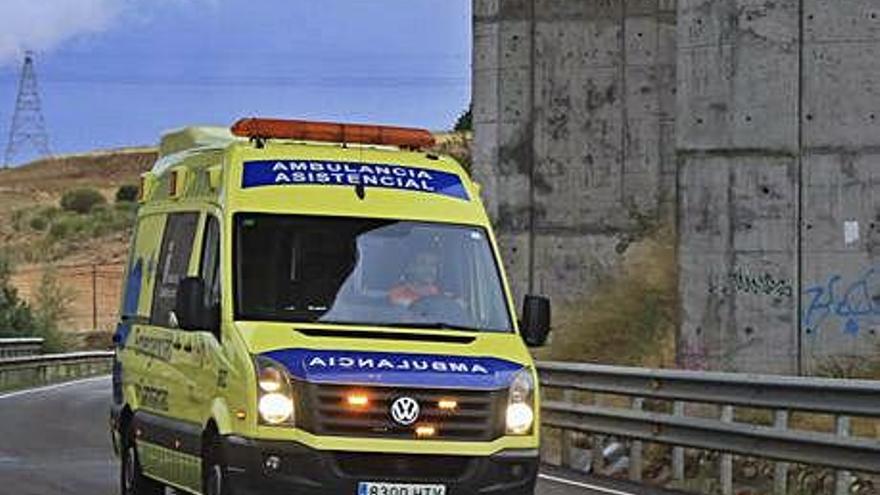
(318, 308)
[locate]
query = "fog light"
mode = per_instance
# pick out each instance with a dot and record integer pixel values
(425, 431)
(447, 404)
(358, 400)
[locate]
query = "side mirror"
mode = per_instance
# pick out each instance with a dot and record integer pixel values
(190, 306)
(535, 324)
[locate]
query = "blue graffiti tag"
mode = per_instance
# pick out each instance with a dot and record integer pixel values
(857, 304)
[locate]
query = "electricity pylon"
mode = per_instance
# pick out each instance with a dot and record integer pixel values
(28, 125)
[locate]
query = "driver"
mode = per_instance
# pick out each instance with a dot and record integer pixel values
(419, 280)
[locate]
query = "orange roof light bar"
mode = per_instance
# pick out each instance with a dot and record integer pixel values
(403, 137)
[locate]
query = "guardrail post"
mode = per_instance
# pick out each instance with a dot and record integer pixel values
(596, 454)
(94, 297)
(726, 459)
(567, 457)
(635, 449)
(678, 452)
(780, 470)
(842, 479)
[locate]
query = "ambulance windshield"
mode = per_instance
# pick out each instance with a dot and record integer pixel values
(367, 272)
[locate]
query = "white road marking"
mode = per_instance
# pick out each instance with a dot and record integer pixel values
(579, 484)
(48, 388)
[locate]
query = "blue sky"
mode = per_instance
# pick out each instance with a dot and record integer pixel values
(118, 72)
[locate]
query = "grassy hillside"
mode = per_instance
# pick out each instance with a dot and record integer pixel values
(34, 230)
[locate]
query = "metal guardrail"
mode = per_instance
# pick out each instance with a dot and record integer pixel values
(27, 346)
(781, 394)
(32, 371)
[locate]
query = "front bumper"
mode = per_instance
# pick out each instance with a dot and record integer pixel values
(306, 471)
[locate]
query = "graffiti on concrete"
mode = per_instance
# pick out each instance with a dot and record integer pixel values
(743, 281)
(852, 305)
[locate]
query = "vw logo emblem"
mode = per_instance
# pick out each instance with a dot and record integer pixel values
(405, 411)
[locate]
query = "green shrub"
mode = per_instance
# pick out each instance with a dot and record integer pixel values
(126, 206)
(16, 218)
(49, 212)
(127, 193)
(102, 220)
(81, 200)
(68, 225)
(51, 307)
(38, 223)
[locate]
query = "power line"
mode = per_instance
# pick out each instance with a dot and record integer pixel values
(406, 57)
(291, 81)
(28, 125)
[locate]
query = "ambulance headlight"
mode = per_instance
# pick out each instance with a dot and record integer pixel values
(520, 415)
(275, 409)
(274, 393)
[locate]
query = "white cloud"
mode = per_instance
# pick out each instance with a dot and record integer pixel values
(44, 24)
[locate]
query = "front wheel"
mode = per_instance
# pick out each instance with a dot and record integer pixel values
(131, 476)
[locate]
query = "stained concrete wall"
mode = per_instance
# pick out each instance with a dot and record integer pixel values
(757, 120)
(778, 139)
(841, 129)
(574, 132)
(737, 124)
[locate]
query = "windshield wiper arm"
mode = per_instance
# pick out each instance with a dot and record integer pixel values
(439, 325)
(413, 324)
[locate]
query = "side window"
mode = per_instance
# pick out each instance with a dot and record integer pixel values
(210, 262)
(177, 246)
(131, 291)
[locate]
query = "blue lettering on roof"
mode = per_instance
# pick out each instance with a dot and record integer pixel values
(327, 173)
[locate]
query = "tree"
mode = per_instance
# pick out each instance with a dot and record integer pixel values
(127, 193)
(16, 317)
(51, 307)
(465, 121)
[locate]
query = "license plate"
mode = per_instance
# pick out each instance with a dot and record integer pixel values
(366, 488)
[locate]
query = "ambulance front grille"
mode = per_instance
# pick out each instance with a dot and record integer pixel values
(476, 417)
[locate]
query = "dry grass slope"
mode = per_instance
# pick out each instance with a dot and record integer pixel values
(632, 318)
(39, 185)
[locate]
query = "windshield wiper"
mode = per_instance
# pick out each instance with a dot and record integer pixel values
(439, 325)
(425, 325)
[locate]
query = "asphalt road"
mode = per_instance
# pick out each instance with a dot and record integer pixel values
(55, 440)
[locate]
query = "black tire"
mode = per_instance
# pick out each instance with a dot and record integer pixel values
(215, 480)
(131, 477)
